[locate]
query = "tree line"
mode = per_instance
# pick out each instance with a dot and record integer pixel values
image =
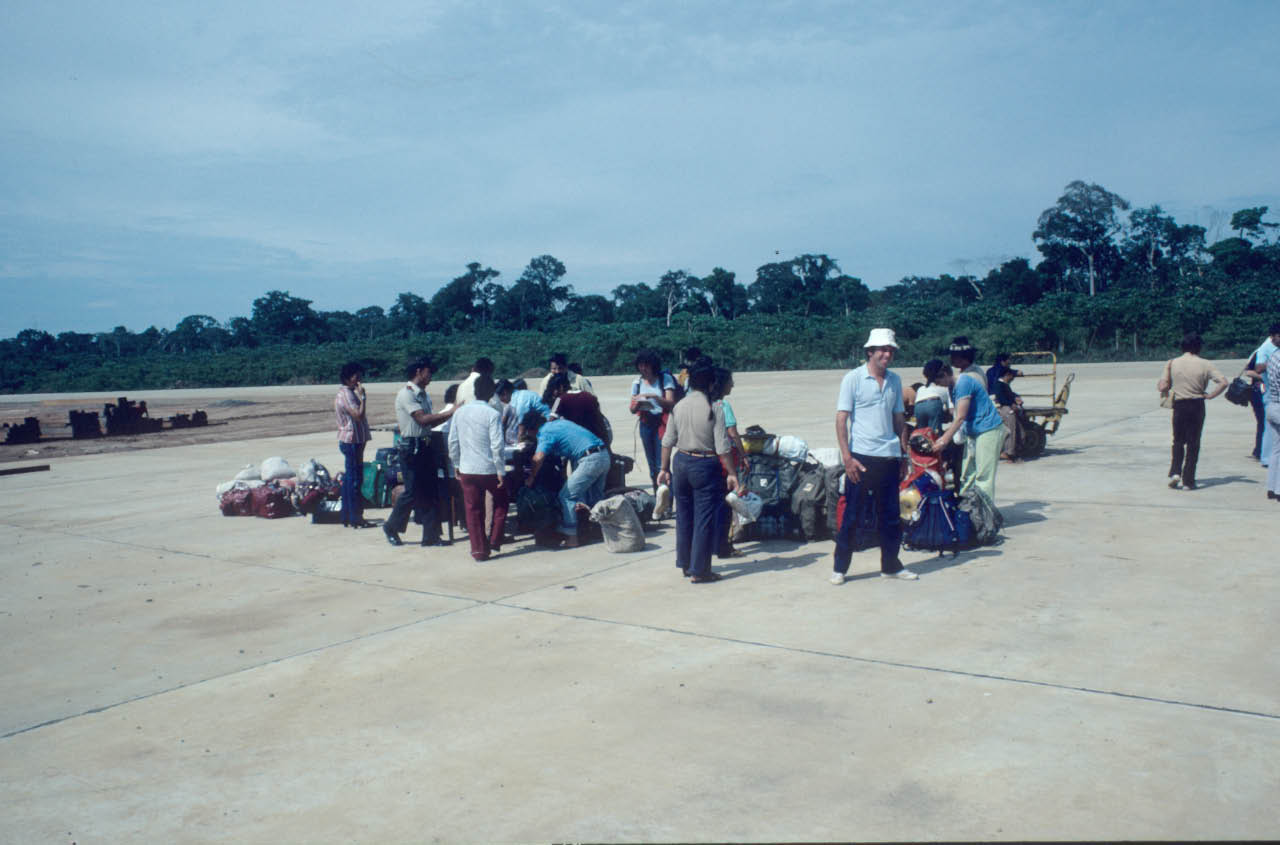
(1112, 282)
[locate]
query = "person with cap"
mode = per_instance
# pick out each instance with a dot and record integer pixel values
(983, 428)
(418, 463)
(871, 430)
(963, 354)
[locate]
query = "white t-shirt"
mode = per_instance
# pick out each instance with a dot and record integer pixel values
(934, 391)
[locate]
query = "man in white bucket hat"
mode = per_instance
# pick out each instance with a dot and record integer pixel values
(870, 430)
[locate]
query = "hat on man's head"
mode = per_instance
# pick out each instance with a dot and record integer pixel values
(881, 337)
(961, 346)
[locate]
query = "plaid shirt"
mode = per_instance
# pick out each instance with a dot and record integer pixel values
(352, 425)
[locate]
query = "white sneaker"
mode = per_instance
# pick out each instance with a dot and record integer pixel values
(903, 574)
(1175, 482)
(837, 578)
(662, 502)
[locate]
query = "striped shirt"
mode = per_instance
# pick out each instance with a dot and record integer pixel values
(1273, 378)
(353, 426)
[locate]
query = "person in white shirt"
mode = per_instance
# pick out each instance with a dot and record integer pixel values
(467, 388)
(932, 400)
(475, 448)
(559, 363)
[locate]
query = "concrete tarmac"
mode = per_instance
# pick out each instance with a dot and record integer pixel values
(1108, 672)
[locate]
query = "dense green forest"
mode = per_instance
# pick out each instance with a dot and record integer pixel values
(1112, 283)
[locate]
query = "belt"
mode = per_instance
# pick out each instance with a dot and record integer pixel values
(697, 454)
(592, 451)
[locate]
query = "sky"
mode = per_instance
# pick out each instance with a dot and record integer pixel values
(161, 159)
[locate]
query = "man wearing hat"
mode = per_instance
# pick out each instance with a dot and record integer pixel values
(963, 354)
(870, 428)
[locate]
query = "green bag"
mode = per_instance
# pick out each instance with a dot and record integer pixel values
(374, 489)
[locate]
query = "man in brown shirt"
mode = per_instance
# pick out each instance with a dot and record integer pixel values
(1188, 377)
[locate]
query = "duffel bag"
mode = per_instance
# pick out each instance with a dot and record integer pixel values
(939, 525)
(238, 501)
(271, 502)
(809, 502)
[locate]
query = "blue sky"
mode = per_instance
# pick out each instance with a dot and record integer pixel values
(165, 159)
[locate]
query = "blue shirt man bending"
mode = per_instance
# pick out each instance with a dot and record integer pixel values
(870, 428)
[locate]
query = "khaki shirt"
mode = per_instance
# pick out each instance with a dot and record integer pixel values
(689, 430)
(411, 398)
(1190, 376)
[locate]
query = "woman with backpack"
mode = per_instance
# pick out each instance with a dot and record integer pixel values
(653, 394)
(697, 462)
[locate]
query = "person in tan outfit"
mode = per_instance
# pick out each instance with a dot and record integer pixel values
(1188, 377)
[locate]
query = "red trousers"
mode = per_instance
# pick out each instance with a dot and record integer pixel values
(473, 490)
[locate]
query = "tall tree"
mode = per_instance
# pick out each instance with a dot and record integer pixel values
(409, 314)
(1084, 221)
(1248, 222)
(457, 304)
(674, 287)
(280, 317)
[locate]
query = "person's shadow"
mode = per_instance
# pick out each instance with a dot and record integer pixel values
(948, 560)
(1226, 479)
(737, 567)
(1023, 513)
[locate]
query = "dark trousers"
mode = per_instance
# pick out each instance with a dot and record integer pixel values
(1188, 422)
(698, 486)
(652, 442)
(881, 479)
(1259, 414)
(352, 481)
(473, 489)
(418, 474)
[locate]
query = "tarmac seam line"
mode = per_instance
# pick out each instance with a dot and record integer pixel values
(177, 687)
(877, 661)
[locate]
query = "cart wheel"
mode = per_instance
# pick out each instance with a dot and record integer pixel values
(1033, 440)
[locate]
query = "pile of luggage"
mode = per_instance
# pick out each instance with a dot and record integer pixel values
(800, 496)
(273, 489)
(801, 493)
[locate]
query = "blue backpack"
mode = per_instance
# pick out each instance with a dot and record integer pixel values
(940, 525)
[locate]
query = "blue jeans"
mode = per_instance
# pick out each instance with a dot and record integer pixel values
(352, 481)
(585, 484)
(652, 442)
(698, 487)
(929, 415)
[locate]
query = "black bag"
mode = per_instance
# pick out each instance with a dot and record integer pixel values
(772, 478)
(1239, 391)
(809, 502)
(389, 457)
(537, 509)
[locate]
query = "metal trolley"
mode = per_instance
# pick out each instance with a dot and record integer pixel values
(1040, 421)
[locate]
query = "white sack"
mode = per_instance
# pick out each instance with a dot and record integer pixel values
(619, 524)
(249, 473)
(273, 468)
(828, 456)
(792, 448)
